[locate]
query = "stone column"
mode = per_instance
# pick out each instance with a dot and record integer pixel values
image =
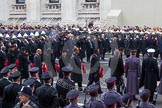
(105, 7)
(4, 10)
(69, 11)
(33, 10)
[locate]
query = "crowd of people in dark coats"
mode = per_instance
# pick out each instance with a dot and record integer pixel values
(31, 55)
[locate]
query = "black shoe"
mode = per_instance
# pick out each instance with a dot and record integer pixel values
(100, 92)
(80, 89)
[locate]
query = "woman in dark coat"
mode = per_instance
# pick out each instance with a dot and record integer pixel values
(76, 74)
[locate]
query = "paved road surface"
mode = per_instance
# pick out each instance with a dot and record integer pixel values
(103, 85)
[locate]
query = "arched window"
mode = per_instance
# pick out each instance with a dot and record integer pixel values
(20, 1)
(54, 1)
(91, 0)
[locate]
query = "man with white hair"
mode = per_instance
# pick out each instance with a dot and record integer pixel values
(116, 66)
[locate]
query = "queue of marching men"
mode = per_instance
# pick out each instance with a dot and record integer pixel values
(38, 91)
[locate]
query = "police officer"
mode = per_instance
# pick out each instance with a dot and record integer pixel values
(34, 75)
(12, 68)
(31, 83)
(5, 80)
(47, 95)
(11, 91)
(73, 95)
(25, 98)
(127, 100)
(145, 95)
(64, 85)
(111, 93)
(93, 102)
(110, 102)
(150, 73)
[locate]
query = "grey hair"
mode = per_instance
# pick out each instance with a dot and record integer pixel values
(116, 52)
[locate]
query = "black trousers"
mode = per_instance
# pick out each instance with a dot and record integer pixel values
(161, 55)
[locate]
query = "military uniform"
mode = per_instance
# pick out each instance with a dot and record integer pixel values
(111, 93)
(132, 65)
(150, 73)
(127, 100)
(34, 70)
(26, 91)
(63, 86)
(47, 95)
(145, 95)
(4, 81)
(11, 92)
(20, 105)
(72, 95)
(93, 102)
(30, 82)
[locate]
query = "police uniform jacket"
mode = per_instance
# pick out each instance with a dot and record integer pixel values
(47, 96)
(3, 83)
(113, 94)
(63, 86)
(10, 94)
